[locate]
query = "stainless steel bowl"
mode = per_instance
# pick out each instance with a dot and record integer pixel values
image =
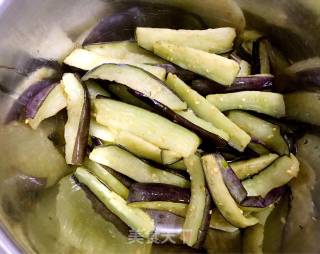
(49, 29)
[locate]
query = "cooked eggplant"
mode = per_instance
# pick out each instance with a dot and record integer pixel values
(141, 192)
(107, 178)
(209, 65)
(218, 222)
(34, 64)
(246, 168)
(126, 117)
(102, 132)
(279, 173)
(208, 112)
(17, 111)
(219, 40)
(121, 26)
(82, 227)
(87, 60)
(134, 167)
(220, 194)
(261, 131)
(303, 106)
(198, 213)
(185, 75)
(133, 217)
(95, 89)
(139, 80)
(260, 57)
(179, 209)
(263, 102)
(77, 126)
(190, 121)
(246, 83)
(125, 50)
(48, 102)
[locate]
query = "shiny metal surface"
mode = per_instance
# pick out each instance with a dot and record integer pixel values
(50, 29)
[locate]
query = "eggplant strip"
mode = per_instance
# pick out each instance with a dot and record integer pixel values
(125, 163)
(179, 209)
(208, 112)
(262, 102)
(220, 194)
(198, 208)
(133, 217)
(279, 173)
(247, 168)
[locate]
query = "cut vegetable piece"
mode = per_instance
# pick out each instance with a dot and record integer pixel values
(217, 221)
(129, 165)
(247, 168)
(208, 112)
(181, 73)
(217, 40)
(220, 194)
(179, 209)
(84, 229)
(77, 126)
(125, 50)
(133, 217)
(139, 80)
(121, 26)
(169, 157)
(214, 67)
(231, 181)
(190, 116)
(155, 129)
(303, 106)
(247, 83)
(87, 60)
(264, 57)
(142, 192)
(198, 212)
(101, 132)
(263, 102)
(50, 104)
(194, 123)
(260, 130)
(108, 179)
(136, 145)
(279, 173)
(121, 92)
(258, 148)
(95, 89)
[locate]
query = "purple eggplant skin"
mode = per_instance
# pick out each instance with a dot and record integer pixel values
(33, 64)
(203, 230)
(102, 210)
(249, 83)
(232, 182)
(166, 112)
(17, 111)
(272, 197)
(126, 181)
(183, 74)
(141, 192)
(35, 103)
(121, 26)
(167, 226)
(81, 142)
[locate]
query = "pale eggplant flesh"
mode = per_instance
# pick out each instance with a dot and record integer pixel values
(166, 112)
(122, 25)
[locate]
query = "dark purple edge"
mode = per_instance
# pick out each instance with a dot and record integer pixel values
(146, 192)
